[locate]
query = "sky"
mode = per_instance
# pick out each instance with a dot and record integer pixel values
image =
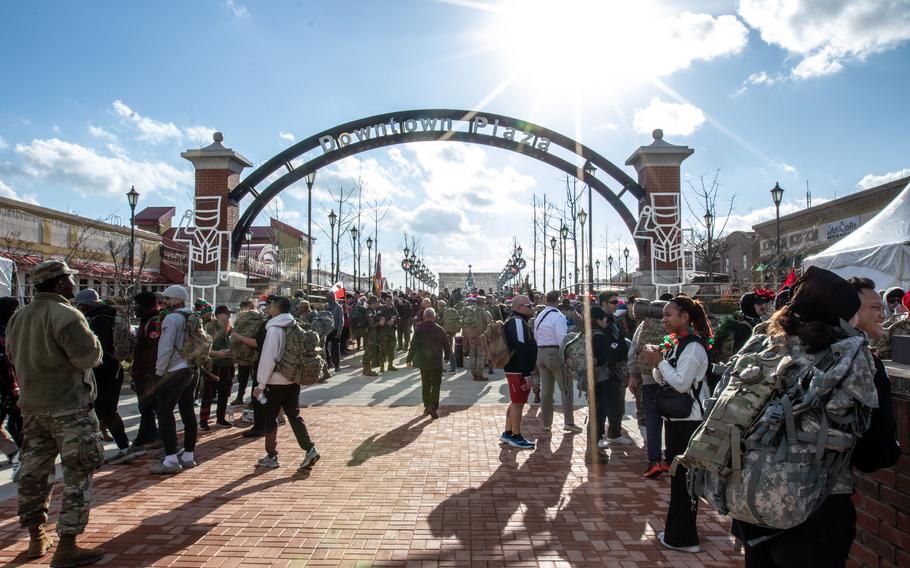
(100, 96)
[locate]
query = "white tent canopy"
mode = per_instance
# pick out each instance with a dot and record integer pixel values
(879, 250)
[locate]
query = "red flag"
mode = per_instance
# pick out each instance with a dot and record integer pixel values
(377, 277)
(791, 278)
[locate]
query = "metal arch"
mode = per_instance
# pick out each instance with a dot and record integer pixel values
(281, 160)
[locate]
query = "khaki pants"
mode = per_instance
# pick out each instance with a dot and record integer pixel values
(549, 364)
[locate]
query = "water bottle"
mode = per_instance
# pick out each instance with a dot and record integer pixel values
(261, 398)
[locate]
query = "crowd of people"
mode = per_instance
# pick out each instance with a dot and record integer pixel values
(66, 355)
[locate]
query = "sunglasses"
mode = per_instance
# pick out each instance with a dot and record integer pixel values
(614, 302)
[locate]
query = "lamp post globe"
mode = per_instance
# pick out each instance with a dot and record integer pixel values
(777, 195)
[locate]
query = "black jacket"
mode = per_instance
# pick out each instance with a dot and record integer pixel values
(101, 322)
(523, 346)
(428, 346)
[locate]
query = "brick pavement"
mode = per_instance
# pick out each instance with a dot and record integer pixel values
(392, 489)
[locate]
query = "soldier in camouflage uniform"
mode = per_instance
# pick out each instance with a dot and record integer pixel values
(471, 345)
(897, 324)
(54, 352)
(649, 332)
(388, 326)
(371, 338)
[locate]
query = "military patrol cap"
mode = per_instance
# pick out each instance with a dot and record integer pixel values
(50, 269)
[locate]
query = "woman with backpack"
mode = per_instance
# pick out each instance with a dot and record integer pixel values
(680, 365)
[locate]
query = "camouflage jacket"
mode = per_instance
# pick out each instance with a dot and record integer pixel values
(894, 325)
(649, 332)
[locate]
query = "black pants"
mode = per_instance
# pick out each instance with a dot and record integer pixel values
(243, 377)
(9, 413)
(332, 349)
(109, 382)
(679, 529)
(601, 404)
(345, 337)
(616, 403)
(431, 379)
(148, 426)
(403, 332)
(824, 540)
(287, 398)
(177, 390)
(220, 389)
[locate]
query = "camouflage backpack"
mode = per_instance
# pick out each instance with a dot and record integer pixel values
(248, 325)
(894, 325)
(358, 318)
(652, 332)
(781, 432)
(574, 356)
(124, 340)
(196, 342)
(301, 361)
(322, 322)
(474, 321)
(451, 321)
(494, 345)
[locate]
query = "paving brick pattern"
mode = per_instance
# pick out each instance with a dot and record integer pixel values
(392, 489)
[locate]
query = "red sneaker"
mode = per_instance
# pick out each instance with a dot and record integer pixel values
(665, 467)
(653, 470)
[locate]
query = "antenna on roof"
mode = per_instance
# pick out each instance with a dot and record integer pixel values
(808, 196)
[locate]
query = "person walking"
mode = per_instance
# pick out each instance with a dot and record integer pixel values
(279, 392)
(9, 387)
(142, 369)
(333, 339)
(109, 374)
(220, 331)
(429, 345)
(388, 316)
(371, 337)
(244, 367)
(682, 366)
(54, 352)
(175, 385)
(519, 369)
(549, 330)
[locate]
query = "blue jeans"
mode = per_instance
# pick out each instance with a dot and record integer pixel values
(654, 423)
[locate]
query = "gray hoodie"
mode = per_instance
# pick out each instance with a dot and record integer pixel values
(172, 336)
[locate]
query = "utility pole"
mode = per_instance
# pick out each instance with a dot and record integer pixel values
(534, 253)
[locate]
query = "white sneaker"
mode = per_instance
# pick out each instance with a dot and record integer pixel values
(602, 444)
(622, 440)
(693, 549)
(268, 461)
(310, 459)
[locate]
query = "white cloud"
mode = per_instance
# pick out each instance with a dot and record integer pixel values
(787, 167)
(606, 126)
(151, 130)
(826, 34)
(238, 10)
(675, 119)
(91, 174)
(3, 144)
(99, 132)
(872, 180)
(7, 191)
(287, 136)
(762, 78)
(199, 134)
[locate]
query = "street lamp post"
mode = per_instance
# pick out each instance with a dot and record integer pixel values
(597, 264)
(610, 269)
(553, 262)
(563, 272)
(709, 222)
(370, 263)
(332, 219)
(354, 249)
(625, 253)
(318, 263)
(310, 179)
(132, 197)
(582, 217)
(590, 171)
(777, 194)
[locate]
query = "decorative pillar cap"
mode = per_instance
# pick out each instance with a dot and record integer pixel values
(658, 153)
(216, 157)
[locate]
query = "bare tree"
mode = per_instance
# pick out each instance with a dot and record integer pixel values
(706, 242)
(120, 259)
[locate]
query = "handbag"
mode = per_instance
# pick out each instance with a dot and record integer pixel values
(670, 403)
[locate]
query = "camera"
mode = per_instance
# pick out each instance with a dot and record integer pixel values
(643, 308)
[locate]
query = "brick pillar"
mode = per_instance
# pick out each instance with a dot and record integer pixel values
(658, 165)
(217, 173)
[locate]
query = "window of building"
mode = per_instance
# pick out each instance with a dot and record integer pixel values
(745, 261)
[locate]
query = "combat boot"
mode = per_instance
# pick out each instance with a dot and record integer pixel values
(368, 372)
(69, 555)
(39, 542)
(392, 367)
(382, 368)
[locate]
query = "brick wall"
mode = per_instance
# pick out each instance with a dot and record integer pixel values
(883, 505)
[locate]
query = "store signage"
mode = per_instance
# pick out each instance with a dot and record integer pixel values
(476, 125)
(842, 228)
